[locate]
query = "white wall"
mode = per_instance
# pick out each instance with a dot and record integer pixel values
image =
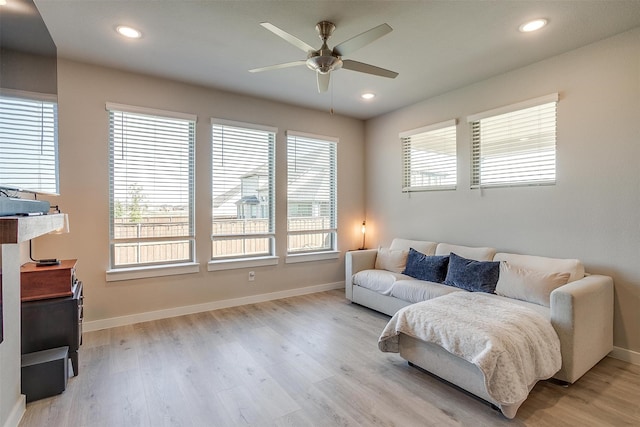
(11, 401)
(592, 213)
(28, 72)
(83, 134)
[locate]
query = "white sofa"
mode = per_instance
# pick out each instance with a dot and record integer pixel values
(580, 311)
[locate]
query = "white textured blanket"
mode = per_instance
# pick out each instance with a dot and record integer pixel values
(513, 346)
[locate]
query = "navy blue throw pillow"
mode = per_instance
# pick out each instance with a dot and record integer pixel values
(425, 267)
(472, 275)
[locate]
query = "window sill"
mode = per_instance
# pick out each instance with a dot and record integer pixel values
(231, 264)
(432, 188)
(132, 273)
(314, 256)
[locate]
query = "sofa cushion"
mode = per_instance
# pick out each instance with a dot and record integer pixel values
(391, 260)
(380, 281)
(415, 291)
(478, 254)
(528, 285)
(550, 265)
(427, 248)
(472, 275)
(424, 267)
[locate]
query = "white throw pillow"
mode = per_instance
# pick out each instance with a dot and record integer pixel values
(539, 263)
(391, 260)
(528, 285)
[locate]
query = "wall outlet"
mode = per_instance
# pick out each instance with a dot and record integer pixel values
(252, 276)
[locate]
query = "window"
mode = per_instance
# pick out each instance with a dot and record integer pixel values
(429, 157)
(515, 145)
(242, 190)
(311, 193)
(29, 142)
(151, 186)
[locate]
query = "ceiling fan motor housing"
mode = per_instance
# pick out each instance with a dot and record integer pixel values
(323, 60)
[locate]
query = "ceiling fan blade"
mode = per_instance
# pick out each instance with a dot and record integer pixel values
(323, 82)
(361, 40)
(278, 66)
(288, 37)
(361, 67)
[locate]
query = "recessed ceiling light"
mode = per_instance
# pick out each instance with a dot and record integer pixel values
(129, 32)
(3, 2)
(534, 25)
(368, 95)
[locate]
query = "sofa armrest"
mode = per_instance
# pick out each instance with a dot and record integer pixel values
(357, 261)
(582, 315)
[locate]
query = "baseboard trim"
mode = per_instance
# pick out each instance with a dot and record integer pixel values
(96, 325)
(625, 355)
(16, 412)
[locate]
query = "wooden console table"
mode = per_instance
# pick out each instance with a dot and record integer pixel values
(18, 229)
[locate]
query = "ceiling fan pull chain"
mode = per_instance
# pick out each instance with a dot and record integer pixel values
(332, 86)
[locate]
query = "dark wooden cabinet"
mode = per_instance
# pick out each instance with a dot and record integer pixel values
(55, 322)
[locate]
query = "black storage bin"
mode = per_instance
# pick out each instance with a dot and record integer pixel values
(45, 373)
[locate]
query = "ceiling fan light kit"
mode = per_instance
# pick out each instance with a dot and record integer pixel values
(325, 60)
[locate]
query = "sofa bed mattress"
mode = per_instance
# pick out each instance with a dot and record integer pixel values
(540, 309)
(514, 346)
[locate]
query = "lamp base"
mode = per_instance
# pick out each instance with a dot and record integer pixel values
(47, 262)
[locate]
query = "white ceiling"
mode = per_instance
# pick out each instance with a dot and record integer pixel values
(436, 46)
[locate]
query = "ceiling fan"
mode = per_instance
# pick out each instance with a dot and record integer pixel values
(325, 60)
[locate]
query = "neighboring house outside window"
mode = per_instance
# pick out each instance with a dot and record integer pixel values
(151, 187)
(429, 160)
(28, 142)
(243, 190)
(311, 193)
(515, 145)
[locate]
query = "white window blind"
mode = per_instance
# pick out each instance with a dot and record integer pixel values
(151, 171)
(429, 160)
(515, 145)
(243, 190)
(311, 193)
(28, 144)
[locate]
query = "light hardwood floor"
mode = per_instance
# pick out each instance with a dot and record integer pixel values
(304, 361)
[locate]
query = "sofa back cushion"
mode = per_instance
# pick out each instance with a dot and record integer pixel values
(427, 248)
(543, 264)
(478, 254)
